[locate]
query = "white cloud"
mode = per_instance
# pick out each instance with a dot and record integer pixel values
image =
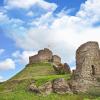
(23, 57)
(30, 13)
(2, 51)
(90, 11)
(2, 79)
(29, 3)
(63, 33)
(7, 64)
(3, 18)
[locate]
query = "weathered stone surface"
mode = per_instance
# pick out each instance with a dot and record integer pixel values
(62, 68)
(67, 68)
(56, 59)
(88, 60)
(33, 88)
(61, 86)
(43, 55)
(46, 88)
(85, 76)
(87, 67)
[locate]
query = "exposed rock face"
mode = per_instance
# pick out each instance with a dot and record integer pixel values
(87, 67)
(33, 88)
(67, 68)
(46, 88)
(61, 86)
(62, 68)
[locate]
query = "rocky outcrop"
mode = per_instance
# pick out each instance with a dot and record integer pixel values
(62, 68)
(46, 88)
(33, 88)
(56, 59)
(61, 86)
(67, 68)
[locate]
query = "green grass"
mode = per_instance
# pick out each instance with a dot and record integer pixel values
(17, 87)
(24, 95)
(36, 69)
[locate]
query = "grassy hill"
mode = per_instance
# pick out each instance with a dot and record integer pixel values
(17, 87)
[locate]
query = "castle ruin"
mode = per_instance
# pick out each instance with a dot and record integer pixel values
(84, 78)
(87, 67)
(45, 55)
(88, 60)
(56, 59)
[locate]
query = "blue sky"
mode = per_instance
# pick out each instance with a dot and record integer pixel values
(30, 25)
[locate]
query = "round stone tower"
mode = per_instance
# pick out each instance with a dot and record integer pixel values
(88, 60)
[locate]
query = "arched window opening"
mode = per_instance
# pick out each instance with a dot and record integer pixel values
(93, 70)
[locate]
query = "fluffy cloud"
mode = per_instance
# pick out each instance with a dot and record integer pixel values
(1, 79)
(7, 64)
(30, 13)
(29, 3)
(63, 33)
(90, 12)
(2, 51)
(23, 57)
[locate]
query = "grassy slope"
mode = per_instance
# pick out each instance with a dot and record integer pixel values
(16, 87)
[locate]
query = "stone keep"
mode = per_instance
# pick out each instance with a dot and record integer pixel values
(88, 60)
(43, 55)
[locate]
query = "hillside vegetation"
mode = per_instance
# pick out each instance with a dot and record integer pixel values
(17, 87)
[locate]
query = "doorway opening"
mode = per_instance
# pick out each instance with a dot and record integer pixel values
(93, 70)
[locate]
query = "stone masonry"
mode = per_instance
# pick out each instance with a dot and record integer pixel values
(45, 55)
(87, 73)
(87, 67)
(88, 60)
(56, 59)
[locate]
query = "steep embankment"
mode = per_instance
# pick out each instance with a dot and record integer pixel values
(33, 70)
(17, 87)
(38, 72)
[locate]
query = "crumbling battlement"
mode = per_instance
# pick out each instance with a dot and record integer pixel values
(45, 55)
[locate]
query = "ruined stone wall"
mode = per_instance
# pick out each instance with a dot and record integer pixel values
(45, 55)
(56, 59)
(88, 60)
(34, 59)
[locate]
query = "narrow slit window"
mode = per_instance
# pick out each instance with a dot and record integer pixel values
(93, 70)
